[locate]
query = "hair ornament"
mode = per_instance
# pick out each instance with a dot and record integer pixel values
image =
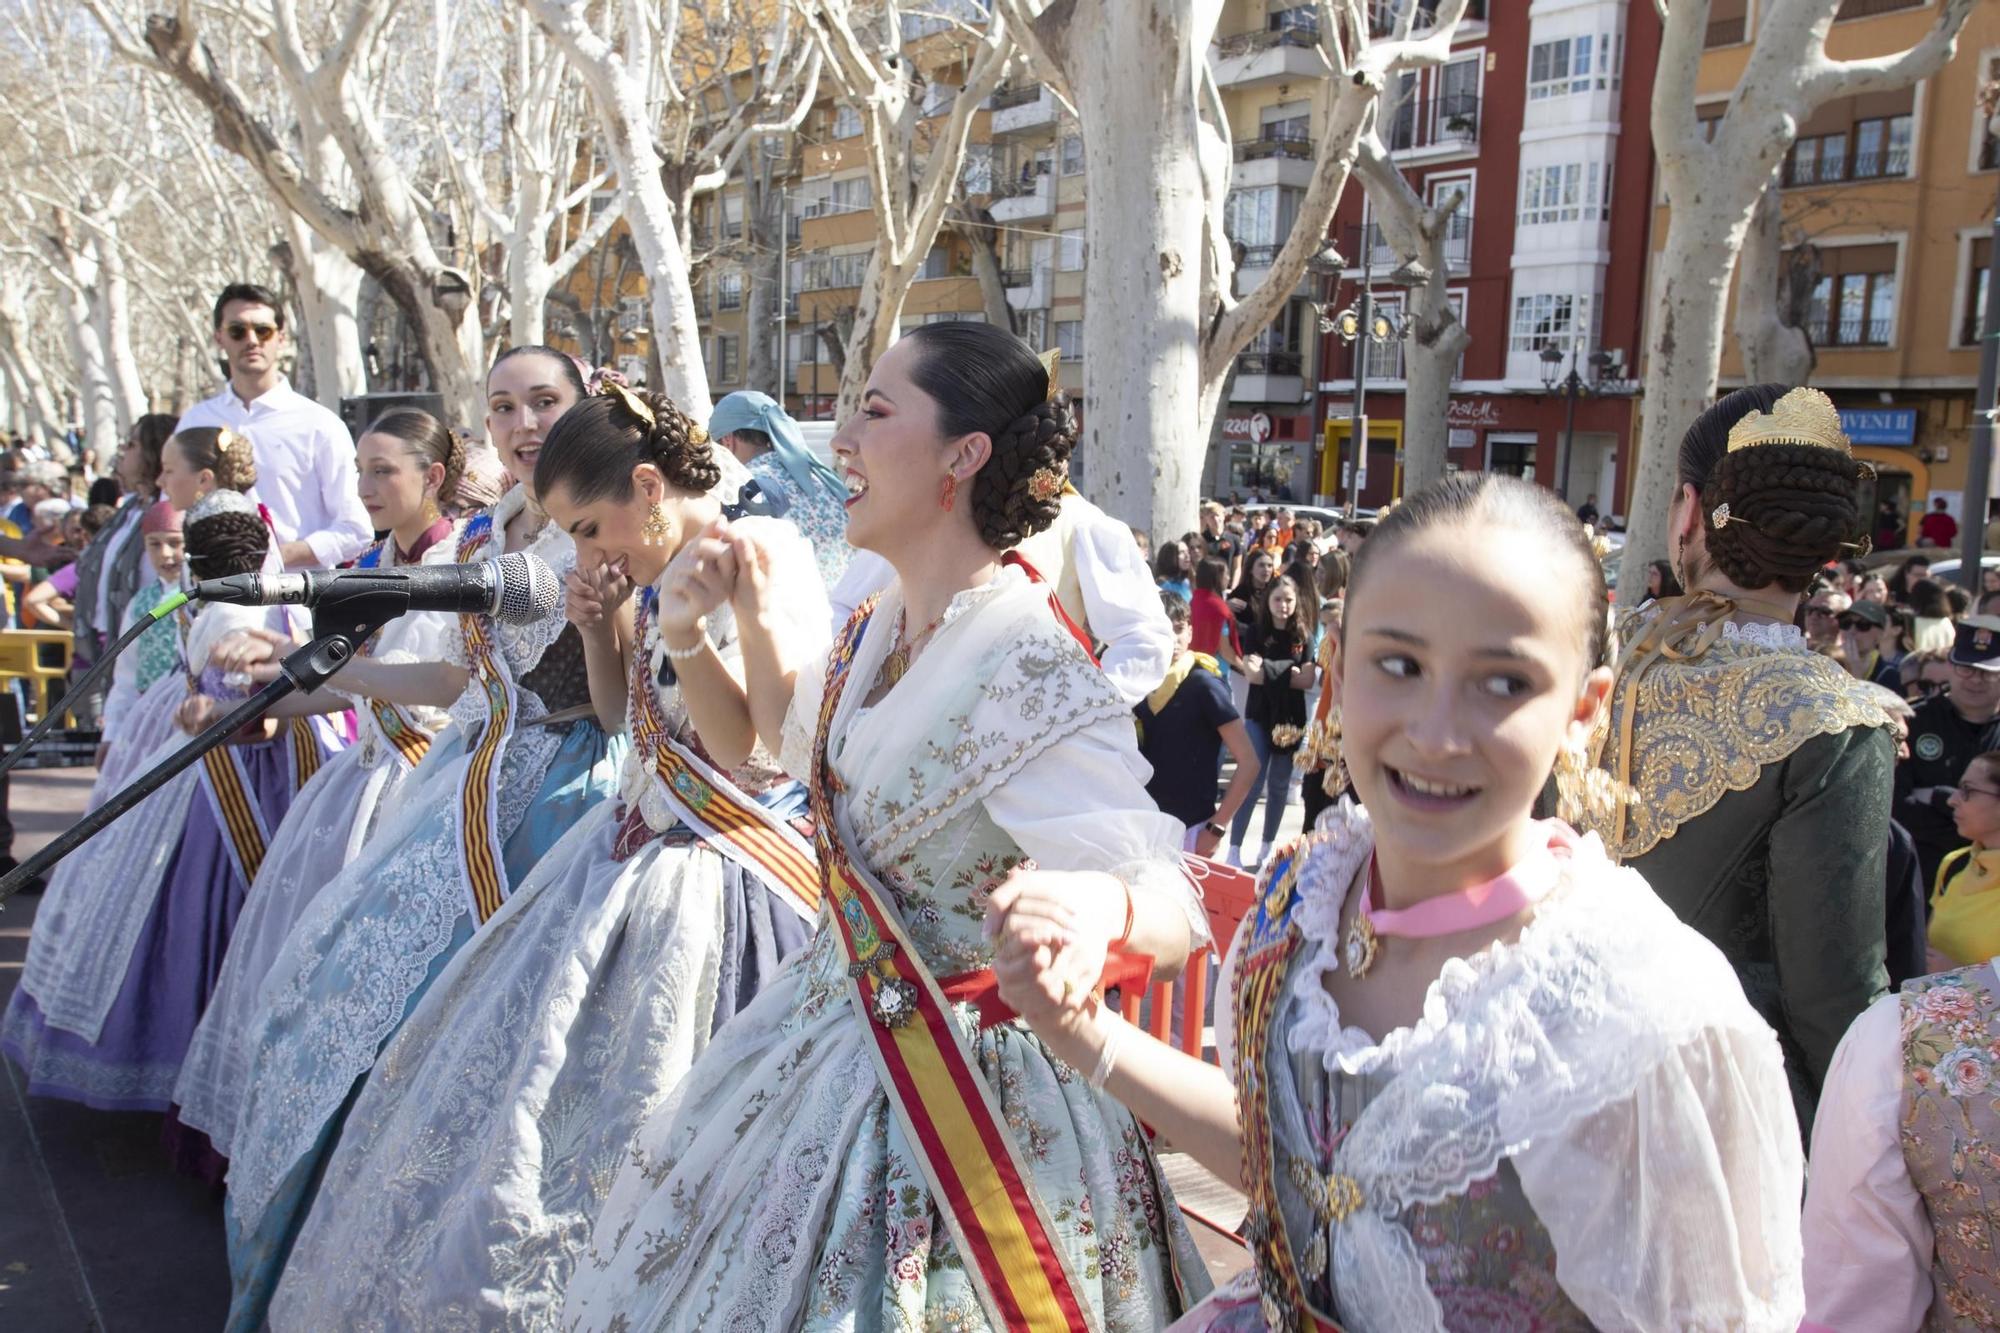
(612, 385)
(1052, 363)
(1718, 517)
(1046, 484)
(220, 502)
(1803, 416)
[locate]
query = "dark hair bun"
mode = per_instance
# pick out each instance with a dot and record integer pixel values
(1019, 491)
(1792, 509)
(678, 445)
(228, 543)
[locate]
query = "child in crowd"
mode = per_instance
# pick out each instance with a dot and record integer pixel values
(1184, 725)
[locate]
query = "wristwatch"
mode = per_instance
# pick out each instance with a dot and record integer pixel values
(1218, 830)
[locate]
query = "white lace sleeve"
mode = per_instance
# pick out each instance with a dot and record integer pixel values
(1081, 804)
(1676, 1208)
(1225, 996)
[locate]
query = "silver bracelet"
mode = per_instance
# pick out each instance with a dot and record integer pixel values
(693, 650)
(1107, 1058)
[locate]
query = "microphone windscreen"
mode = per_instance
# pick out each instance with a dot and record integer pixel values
(528, 588)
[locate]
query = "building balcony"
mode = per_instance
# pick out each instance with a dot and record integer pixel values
(1027, 289)
(1384, 257)
(1836, 168)
(1292, 173)
(1448, 122)
(1725, 32)
(1383, 15)
(1269, 377)
(1282, 53)
(1022, 110)
(1275, 145)
(1017, 200)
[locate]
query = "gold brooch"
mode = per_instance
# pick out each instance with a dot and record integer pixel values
(1719, 517)
(1362, 944)
(1803, 416)
(1045, 485)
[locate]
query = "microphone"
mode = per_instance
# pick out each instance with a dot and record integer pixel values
(517, 588)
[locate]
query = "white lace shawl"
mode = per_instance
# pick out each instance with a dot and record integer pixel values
(1608, 1052)
(1773, 635)
(1045, 744)
(419, 636)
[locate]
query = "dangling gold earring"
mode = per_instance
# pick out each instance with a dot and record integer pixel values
(1326, 748)
(654, 531)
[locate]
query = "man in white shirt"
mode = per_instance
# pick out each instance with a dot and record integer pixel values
(305, 457)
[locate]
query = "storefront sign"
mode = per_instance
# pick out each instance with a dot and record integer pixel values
(1472, 413)
(1462, 439)
(1255, 428)
(1879, 425)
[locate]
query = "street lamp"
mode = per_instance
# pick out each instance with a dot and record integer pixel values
(1603, 381)
(1357, 325)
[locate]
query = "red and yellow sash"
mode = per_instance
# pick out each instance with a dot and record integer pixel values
(942, 1102)
(480, 854)
(411, 740)
(712, 805)
(1260, 984)
(244, 836)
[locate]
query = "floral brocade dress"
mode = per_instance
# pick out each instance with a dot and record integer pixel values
(1587, 1128)
(777, 1189)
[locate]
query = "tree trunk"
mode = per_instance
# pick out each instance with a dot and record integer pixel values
(763, 265)
(1430, 361)
(1683, 348)
(982, 238)
(35, 403)
(1131, 69)
(93, 380)
(1774, 351)
(114, 329)
(329, 288)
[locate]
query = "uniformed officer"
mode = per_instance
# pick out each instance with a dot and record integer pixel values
(1948, 732)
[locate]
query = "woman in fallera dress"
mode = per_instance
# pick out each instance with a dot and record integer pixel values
(522, 761)
(408, 465)
(104, 1015)
(522, 1077)
(1474, 1076)
(818, 1167)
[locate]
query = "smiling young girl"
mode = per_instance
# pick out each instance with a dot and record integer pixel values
(1475, 1076)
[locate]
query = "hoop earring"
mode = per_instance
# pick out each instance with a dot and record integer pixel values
(949, 495)
(654, 531)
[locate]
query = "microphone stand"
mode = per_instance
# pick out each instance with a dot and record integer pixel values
(343, 619)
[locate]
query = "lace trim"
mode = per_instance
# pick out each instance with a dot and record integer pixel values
(1772, 634)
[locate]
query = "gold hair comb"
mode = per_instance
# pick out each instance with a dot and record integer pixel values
(1052, 363)
(632, 402)
(1803, 416)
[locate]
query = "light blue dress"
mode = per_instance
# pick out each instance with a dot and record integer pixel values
(813, 510)
(373, 940)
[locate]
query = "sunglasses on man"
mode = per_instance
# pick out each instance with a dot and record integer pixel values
(239, 332)
(1856, 622)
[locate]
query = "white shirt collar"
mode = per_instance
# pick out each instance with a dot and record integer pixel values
(274, 399)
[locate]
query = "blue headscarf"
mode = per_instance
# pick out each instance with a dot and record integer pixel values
(747, 409)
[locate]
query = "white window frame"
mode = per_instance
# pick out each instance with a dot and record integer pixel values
(1071, 167)
(846, 121)
(1071, 344)
(1967, 238)
(1570, 82)
(729, 291)
(1070, 251)
(1988, 66)
(1901, 241)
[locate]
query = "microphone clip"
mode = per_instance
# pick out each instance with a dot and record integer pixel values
(347, 614)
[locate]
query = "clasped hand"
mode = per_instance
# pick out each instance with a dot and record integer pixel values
(1052, 931)
(592, 596)
(721, 566)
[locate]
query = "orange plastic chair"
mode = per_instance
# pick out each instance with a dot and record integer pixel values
(1228, 894)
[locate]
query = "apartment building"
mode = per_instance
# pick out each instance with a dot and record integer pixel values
(1536, 126)
(1888, 203)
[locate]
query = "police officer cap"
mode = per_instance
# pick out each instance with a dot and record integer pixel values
(1978, 643)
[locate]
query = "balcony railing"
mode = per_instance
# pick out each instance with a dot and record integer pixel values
(1006, 97)
(1383, 256)
(1268, 363)
(1301, 34)
(1017, 277)
(1012, 184)
(1856, 332)
(1725, 32)
(1383, 15)
(1450, 119)
(1275, 145)
(1831, 168)
(1258, 256)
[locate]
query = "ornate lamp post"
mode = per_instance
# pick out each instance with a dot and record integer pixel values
(1572, 386)
(1358, 324)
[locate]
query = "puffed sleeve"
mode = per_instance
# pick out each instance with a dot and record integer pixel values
(1081, 804)
(1867, 1235)
(1675, 1209)
(1123, 604)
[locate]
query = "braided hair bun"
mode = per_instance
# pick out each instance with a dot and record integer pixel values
(218, 449)
(230, 542)
(591, 450)
(984, 379)
(1792, 508)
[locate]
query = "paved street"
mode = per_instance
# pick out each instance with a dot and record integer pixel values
(96, 1232)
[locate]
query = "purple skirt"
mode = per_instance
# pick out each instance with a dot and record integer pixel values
(136, 1059)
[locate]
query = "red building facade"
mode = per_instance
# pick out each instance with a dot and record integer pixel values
(1541, 119)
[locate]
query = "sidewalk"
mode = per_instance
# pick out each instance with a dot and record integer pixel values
(96, 1231)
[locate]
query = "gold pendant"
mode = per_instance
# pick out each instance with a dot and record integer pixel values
(1362, 945)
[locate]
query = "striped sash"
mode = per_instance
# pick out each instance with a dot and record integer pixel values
(244, 835)
(306, 756)
(410, 739)
(943, 1104)
(1260, 984)
(709, 802)
(479, 794)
